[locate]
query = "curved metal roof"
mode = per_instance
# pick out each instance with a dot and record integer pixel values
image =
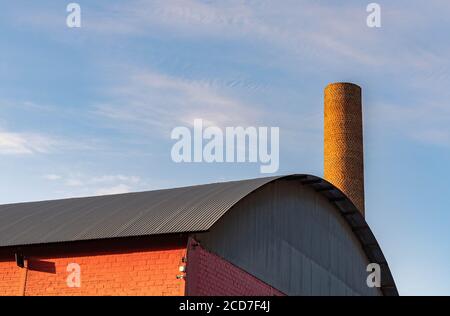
(186, 209)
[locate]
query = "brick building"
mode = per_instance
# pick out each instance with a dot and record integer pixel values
(294, 235)
(282, 235)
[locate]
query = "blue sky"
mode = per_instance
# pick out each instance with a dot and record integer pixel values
(89, 111)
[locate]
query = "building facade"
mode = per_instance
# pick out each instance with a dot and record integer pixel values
(292, 235)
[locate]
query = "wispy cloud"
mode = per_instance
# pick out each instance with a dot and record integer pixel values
(115, 178)
(73, 182)
(159, 102)
(52, 177)
(25, 105)
(325, 31)
(33, 143)
(304, 28)
(25, 143)
(292, 26)
(79, 184)
(117, 189)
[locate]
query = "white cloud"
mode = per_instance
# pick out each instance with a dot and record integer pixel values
(116, 189)
(159, 103)
(327, 34)
(37, 142)
(114, 178)
(82, 185)
(52, 177)
(74, 182)
(24, 143)
(303, 27)
(325, 31)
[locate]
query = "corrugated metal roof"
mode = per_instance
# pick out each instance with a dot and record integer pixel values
(187, 209)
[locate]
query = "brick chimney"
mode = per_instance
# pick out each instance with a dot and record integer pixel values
(343, 140)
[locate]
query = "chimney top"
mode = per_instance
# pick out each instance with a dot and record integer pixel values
(343, 140)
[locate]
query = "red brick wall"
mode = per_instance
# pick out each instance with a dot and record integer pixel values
(122, 271)
(209, 274)
(10, 278)
(126, 267)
